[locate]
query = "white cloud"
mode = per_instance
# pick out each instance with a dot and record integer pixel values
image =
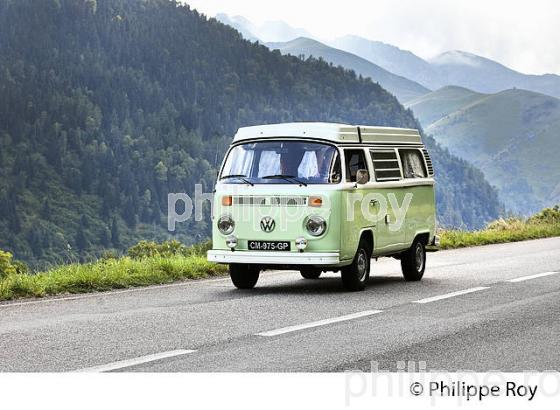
(520, 34)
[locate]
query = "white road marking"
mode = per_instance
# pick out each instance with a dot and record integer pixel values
(529, 277)
(133, 362)
(451, 295)
(323, 322)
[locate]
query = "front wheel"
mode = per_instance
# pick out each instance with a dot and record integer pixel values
(356, 275)
(413, 261)
(243, 275)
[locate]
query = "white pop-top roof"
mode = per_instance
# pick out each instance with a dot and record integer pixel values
(332, 132)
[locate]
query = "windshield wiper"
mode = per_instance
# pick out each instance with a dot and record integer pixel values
(289, 178)
(238, 176)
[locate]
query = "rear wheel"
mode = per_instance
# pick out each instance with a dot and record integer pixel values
(243, 275)
(310, 273)
(356, 275)
(413, 261)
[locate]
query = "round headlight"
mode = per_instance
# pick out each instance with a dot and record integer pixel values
(315, 225)
(226, 224)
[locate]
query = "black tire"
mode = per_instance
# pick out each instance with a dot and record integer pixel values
(244, 276)
(310, 273)
(355, 276)
(413, 261)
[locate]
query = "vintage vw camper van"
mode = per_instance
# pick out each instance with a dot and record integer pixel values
(318, 197)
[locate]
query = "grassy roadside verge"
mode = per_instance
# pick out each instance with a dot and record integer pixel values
(108, 274)
(544, 224)
(149, 263)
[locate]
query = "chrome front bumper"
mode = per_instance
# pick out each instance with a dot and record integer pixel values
(274, 258)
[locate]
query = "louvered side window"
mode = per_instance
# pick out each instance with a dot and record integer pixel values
(386, 165)
(428, 162)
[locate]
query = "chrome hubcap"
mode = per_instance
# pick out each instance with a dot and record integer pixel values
(419, 258)
(362, 264)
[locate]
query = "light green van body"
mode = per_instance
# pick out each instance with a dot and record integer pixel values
(346, 224)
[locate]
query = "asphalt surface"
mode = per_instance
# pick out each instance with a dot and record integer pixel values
(291, 324)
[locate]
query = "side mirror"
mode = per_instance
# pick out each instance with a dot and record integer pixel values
(362, 176)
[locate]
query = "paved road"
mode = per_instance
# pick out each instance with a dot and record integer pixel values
(466, 314)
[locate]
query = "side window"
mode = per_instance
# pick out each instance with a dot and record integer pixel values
(355, 160)
(385, 165)
(412, 163)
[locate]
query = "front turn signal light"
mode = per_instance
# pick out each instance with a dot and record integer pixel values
(227, 200)
(315, 201)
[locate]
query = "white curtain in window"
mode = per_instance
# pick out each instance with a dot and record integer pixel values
(412, 162)
(269, 164)
(308, 166)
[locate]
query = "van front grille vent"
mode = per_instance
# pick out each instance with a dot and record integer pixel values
(270, 200)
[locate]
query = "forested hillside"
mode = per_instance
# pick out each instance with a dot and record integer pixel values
(402, 88)
(512, 135)
(107, 106)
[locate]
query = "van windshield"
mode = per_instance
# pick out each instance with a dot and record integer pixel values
(282, 162)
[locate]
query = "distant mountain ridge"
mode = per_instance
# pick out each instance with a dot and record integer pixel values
(457, 68)
(398, 61)
(485, 75)
(401, 87)
(512, 136)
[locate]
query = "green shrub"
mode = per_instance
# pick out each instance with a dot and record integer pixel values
(6, 265)
(201, 248)
(547, 215)
(21, 267)
(109, 254)
(149, 249)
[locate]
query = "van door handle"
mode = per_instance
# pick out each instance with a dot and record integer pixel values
(373, 202)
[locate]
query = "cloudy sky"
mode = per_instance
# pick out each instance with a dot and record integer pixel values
(524, 35)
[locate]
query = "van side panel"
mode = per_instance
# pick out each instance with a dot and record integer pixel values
(420, 217)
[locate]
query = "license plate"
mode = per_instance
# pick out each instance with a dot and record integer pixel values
(269, 245)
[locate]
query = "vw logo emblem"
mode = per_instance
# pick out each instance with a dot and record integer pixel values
(268, 224)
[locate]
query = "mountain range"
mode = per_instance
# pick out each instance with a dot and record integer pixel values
(454, 67)
(511, 135)
(402, 88)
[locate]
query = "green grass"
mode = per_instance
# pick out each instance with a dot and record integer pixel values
(502, 231)
(108, 274)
